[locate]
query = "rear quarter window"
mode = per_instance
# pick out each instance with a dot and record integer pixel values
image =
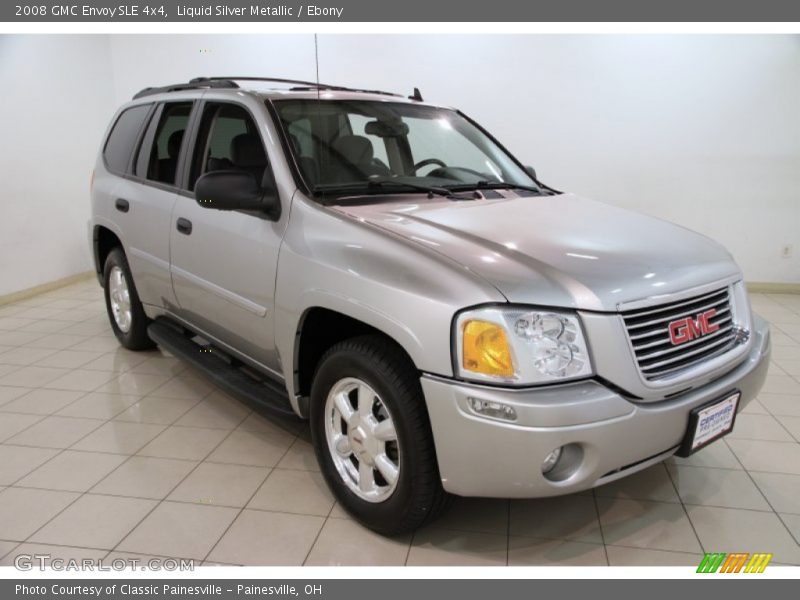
(123, 137)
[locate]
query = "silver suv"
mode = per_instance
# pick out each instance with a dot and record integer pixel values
(384, 268)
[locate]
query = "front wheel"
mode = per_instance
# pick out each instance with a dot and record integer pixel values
(372, 436)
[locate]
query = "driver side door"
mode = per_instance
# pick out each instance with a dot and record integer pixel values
(223, 263)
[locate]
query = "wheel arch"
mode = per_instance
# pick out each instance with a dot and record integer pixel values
(104, 241)
(318, 329)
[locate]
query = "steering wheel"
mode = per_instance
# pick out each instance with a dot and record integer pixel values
(429, 161)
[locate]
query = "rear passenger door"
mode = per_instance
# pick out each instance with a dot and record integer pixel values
(146, 199)
(224, 262)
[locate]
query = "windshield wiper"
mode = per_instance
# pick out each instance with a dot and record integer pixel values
(495, 185)
(379, 185)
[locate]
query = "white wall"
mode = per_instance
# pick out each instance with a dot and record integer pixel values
(700, 130)
(55, 104)
(151, 60)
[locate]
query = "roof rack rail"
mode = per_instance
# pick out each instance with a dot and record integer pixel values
(300, 84)
(195, 84)
(339, 88)
(230, 82)
(269, 79)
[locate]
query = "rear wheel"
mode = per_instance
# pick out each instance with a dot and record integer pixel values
(372, 436)
(125, 311)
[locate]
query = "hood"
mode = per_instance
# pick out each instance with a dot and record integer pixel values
(561, 251)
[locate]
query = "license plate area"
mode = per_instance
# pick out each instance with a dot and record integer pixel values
(709, 422)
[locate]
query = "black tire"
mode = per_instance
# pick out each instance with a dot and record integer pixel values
(418, 497)
(136, 337)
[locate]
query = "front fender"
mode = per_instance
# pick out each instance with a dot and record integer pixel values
(392, 284)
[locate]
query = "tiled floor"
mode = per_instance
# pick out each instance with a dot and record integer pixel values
(105, 452)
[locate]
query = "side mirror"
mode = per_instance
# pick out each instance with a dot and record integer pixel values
(234, 190)
(532, 172)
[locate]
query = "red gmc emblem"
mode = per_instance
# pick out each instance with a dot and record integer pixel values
(689, 328)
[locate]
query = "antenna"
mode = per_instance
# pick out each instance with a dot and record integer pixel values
(316, 61)
(416, 96)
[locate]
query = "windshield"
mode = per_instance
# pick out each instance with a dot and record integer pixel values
(363, 146)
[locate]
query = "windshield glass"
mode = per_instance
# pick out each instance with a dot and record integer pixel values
(354, 146)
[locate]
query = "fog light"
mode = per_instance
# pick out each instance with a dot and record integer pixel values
(493, 410)
(551, 460)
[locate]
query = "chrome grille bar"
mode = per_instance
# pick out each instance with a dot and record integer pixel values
(676, 305)
(649, 332)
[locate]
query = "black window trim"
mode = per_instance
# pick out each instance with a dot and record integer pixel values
(137, 139)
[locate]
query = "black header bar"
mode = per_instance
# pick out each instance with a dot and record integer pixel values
(542, 11)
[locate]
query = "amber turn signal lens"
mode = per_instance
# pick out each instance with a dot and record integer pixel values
(486, 349)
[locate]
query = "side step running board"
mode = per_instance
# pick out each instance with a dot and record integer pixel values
(260, 394)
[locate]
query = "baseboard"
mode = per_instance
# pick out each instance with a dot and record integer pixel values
(761, 287)
(45, 287)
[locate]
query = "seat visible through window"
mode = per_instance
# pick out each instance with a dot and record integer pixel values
(228, 139)
(167, 166)
(247, 153)
(353, 159)
(167, 142)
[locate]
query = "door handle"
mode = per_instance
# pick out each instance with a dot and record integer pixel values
(184, 225)
(122, 205)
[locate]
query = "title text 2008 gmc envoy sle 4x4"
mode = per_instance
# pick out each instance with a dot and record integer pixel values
(384, 268)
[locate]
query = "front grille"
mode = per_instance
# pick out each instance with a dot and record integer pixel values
(648, 330)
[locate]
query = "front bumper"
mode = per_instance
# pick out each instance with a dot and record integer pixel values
(611, 436)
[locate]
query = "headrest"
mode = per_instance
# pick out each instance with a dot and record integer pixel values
(218, 164)
(247, 151)
(355, 149)
(174, 143)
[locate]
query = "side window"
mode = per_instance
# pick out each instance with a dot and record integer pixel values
(228, 139)
(122, 139)
(162, 163)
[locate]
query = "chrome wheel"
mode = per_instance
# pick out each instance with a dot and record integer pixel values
(362, 440)
(119, 298)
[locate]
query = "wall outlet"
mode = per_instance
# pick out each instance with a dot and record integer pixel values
(786, 251)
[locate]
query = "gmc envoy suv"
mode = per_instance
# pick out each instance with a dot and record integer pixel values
(387, 270)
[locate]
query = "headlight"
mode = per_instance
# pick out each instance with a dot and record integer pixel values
(520, 346)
